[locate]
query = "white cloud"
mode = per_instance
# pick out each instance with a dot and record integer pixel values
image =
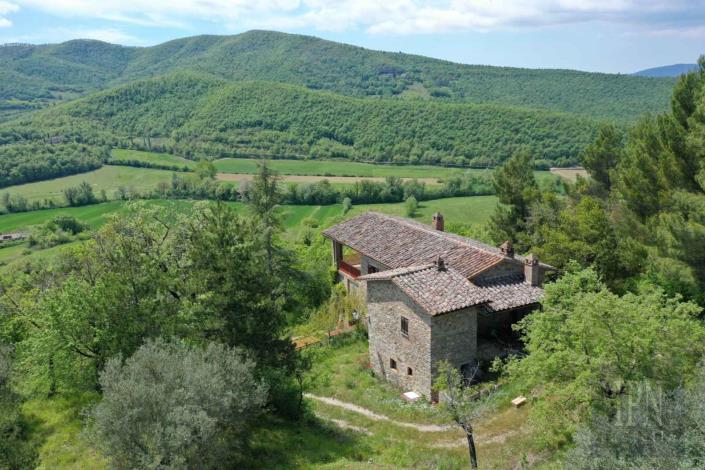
(384, 16)
(5, 9)
(694, 32)
(111, 35)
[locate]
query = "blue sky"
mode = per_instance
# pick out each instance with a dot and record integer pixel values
(600, 35)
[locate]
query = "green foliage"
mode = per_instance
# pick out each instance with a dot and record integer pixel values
(59, 230)
(194, 115)
(174, 406)
(516, 189)
(337, 312)
(15, 450)
(588, 346)
(601, 157)
(652, 430)
(411, 205)
(660, 189)
(29, 158)
(567, 231)
(205, 169)
(347, 205)
(32, 75)
(81, 195)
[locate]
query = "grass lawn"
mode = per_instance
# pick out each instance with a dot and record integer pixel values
(151, 157)
(55, 427)
(108, 178)
(340, 370)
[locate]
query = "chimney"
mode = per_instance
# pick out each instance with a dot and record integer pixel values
(507, 249)
(440, 264)
(532, 273)
(438, 221)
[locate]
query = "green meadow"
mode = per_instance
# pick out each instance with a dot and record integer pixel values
(469, 210)
(108, 178)
(336, 168)
(122, 155)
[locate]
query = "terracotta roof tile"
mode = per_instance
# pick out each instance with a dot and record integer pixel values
(436, 291)
(510, 292)
(398, 242)
(411, 250)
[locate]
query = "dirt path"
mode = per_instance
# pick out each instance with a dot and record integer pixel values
(313, 179)
(378, 417)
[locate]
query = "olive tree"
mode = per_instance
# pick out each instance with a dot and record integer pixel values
(175, 406)
(652, 429)
(463, 404)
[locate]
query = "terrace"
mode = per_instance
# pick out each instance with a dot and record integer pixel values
(350, 265)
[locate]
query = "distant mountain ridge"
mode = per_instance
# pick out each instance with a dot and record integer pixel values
(33, 77)
(674, 70)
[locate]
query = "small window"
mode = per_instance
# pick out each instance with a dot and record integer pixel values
(392, 364)
(405, 327)
(371, 269)
(409, 371)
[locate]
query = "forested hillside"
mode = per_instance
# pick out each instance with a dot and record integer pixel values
(33, 76)
(194, 116)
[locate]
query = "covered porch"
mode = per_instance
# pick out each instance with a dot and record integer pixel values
(347, 261)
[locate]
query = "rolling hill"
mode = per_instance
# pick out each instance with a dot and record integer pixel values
(33, 76)
(195, 115)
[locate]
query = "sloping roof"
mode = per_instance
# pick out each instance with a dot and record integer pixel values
(398, 242)
(436, 291)
(509, 292)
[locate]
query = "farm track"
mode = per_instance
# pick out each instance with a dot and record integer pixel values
(482, 436)
(376, 416)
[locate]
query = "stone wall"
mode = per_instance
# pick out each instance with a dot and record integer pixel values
(505, 268)
(386, 304)
(454, 338)
(451, 336)
(366, 262)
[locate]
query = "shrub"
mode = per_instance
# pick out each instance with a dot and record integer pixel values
(411, 206)
(175, 406)
(15, 450)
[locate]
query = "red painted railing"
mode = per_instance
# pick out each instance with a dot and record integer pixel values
(348, 269)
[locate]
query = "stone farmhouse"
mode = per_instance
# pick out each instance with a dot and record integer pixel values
(432, 295)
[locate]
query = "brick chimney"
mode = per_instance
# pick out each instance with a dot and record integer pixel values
(438, 221)
(440, 264)
(507, 249)
(532, 273)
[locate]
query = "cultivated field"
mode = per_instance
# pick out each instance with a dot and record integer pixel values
(469, 210)
(108, 178)
(338, 173)
(151, 157)
(336, 168)
(458, 210)
(571, 174)
(334, 180)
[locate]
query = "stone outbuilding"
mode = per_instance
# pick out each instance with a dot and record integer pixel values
(432, 295)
